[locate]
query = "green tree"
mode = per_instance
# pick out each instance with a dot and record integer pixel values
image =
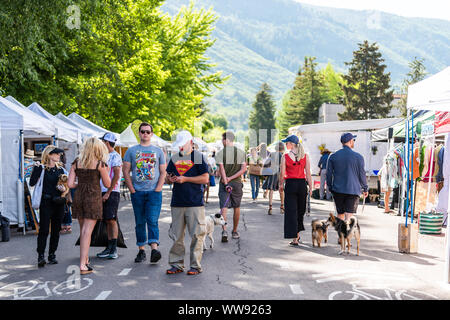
(305, 98)
(332, 81)
(366, 86)
(416, 73)
(262, 115)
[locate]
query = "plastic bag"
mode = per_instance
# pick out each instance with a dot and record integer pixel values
(99, 237)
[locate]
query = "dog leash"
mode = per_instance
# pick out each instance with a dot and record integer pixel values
(364, 204)
(228, 198)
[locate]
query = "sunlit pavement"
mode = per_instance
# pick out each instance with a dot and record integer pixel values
(260, 265)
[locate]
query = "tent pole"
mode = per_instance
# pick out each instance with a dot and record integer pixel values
(412, 167)
(447, 252)
(408, 166)
(431, 172)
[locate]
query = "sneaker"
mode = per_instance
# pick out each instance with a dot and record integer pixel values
(105, 253)
(224, 236)
(52, 259)
(113, 255)
(141, 256)
(155, 256)
(235, 235)
(41, 261)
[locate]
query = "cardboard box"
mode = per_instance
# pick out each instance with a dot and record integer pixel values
(408, 238)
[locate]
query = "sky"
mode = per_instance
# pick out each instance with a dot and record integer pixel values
(439, 9)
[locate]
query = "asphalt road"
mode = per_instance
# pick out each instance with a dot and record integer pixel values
(260, 265)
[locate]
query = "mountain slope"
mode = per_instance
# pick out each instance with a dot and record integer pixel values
(266, 40)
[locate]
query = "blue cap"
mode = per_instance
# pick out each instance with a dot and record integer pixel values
(109, 137)
(346, 137)
(292, 138)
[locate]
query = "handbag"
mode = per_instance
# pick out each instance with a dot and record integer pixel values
(37, 192)
(99, 236)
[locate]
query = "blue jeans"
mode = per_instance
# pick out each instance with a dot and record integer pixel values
(255, 181)
(146, 207)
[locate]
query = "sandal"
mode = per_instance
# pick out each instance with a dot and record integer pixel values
(270, 210)
(193, 272)
(88, 271)
(294, 244)
(282, 209)
(173, 270)
(69, 229)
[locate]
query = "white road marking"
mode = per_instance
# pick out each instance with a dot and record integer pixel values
(3, 276)
(125, 272)
(103, 295)
(355, 274)
(296, 289)
(285, 265)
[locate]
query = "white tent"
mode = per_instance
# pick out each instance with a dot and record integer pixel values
(433, 93)
(159, 142)
(329, 133)
(86, 131)
(128, 138)
(12, 99)
(16, 123)
(92, 126)
(64, 131)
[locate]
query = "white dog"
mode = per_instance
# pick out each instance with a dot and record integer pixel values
(211, 221)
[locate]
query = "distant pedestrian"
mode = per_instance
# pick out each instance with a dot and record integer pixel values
(346, 177)
(232, 165)
(273, 181)
(188, 171)
(266, 170)
(148, 167)
(111, 197)
(85, 175)
(323, 174)
(66, 226)
(51, 209)
(294, 180)
(254, 163)
(212, 168)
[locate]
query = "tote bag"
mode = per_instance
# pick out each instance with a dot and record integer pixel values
(37, 192)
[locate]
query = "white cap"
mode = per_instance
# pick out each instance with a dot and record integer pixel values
(183, 137)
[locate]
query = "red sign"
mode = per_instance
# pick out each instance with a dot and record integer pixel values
(441, 122)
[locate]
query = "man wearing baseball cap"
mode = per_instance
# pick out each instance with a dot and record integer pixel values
(111, 197)
(188, 171)
(346, 177)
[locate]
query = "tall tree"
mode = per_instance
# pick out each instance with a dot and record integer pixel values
(416, 73)
(305, 98)
(366, 86)
(333, 81)
(262, 115)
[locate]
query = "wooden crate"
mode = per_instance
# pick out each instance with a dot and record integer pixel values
(408, 238)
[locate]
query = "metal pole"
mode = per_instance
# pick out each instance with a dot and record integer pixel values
(407, 167)
(412, 166)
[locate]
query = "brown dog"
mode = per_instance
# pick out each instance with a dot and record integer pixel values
(346, 231)
(63, 180)
(319, 231)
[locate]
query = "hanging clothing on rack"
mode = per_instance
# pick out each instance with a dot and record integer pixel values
(389, 173)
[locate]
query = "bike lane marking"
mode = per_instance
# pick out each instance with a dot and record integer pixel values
(103, 295)
(125, 272)
(296, 289)
(3, 276)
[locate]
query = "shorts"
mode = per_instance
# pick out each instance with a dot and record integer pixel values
(111, 206)
(235, 197)
(346, 202)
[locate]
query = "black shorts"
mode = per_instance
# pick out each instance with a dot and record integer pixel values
(235, 197)
(111, 206)
(345, 202)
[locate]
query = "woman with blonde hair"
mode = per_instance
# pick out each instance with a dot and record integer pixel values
(296, 173)
(87, 206)
(51, 206)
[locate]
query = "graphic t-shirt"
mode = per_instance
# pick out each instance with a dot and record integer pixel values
(145, 163)
(187, 194)
(114, 160)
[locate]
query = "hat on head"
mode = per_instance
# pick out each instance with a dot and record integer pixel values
(29, 154)
(183, 137)
(108, 136)
(346, 137)
(56, 150)
(292, 138)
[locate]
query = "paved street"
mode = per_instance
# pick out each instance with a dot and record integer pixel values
(260, 265)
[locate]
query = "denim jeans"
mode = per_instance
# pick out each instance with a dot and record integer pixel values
(254, 181)
(147, 208)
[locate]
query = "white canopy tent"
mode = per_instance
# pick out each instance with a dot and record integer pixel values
(86, 131)
(92, 126)
(12, 99)
(433, 94)
(16, 123)
(128, 138)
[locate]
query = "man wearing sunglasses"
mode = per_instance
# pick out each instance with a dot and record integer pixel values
(148, 166)
(346, 177)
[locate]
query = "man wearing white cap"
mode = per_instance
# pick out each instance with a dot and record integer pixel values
(111, 197)
(188, 171)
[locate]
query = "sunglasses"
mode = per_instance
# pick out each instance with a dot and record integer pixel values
(146, 131)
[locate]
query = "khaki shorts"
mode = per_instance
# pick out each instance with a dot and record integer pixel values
(235, 197)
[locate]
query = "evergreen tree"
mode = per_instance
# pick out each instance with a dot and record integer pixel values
(333, 81)
(416, 73)
(304, 99)
(262, 115)
(366, 86)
